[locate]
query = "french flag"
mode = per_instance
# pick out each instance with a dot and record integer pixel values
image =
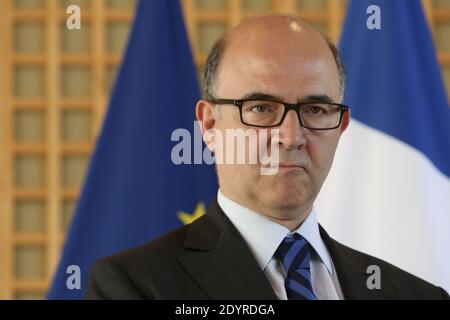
(388, 192)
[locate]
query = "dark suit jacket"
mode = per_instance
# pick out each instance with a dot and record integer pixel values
(209, 259)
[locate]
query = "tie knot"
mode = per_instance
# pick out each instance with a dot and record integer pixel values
(294, 253)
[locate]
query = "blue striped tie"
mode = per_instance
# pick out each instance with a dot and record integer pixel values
(294, 253)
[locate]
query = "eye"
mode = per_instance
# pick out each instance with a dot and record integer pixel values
(315, 110)
(260, 108)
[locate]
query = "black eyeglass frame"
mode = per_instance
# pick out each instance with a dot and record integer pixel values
(287, 107)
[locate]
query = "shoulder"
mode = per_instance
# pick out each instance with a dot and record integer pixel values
(161, 254)
(402, 284)
(130, 274)
(202, 234)
(161, 249)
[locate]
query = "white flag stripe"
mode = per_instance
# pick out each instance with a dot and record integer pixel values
(387, 199)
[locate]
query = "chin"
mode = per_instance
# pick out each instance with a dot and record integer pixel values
(285, 192)
(288, 199)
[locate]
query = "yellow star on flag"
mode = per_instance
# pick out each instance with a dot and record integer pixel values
(188, 218)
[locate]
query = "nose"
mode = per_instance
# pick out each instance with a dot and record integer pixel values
(291, 133)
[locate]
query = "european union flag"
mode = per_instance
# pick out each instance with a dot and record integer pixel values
(133, 191)
(389, 190)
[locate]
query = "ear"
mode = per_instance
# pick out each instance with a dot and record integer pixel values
(206, 117)
(345, 121)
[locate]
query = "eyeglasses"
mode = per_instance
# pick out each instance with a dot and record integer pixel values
(267, 113)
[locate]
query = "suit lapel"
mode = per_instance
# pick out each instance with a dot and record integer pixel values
(351, 274)
(221, 262)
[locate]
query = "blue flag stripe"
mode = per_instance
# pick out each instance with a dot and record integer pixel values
(133, 191)
(400, 89)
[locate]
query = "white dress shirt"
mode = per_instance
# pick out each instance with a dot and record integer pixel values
(263, 236)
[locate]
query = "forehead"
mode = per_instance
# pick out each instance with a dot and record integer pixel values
(277, 59)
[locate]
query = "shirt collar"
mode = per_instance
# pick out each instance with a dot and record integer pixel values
(263, 235)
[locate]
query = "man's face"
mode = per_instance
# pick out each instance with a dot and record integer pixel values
(292, 67)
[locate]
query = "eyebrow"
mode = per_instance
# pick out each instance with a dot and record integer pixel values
(312, 97)
(317, 98)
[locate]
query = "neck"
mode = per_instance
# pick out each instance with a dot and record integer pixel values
(290, 218)
(291, 224)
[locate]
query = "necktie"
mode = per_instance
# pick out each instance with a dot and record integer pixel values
(294, 253)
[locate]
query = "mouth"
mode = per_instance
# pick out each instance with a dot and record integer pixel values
(287, 166)
(291, 167)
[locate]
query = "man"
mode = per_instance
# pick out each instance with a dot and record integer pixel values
(261, 238)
